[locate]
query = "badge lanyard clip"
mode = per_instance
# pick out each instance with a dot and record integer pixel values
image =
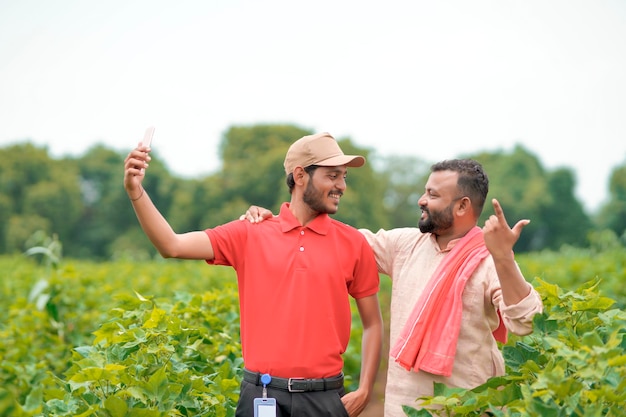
(265, 379)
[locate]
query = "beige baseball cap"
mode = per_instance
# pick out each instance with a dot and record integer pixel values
(319, 149)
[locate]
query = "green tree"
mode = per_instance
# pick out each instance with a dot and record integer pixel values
(613, 214)
(58, 200)
(252, 158)
(187, 207)
(208, 207)
(20, 228)
(5, 214)
(37, 192)
(105, 213)
(527, 191)
(567, 223)
(403, 179)
(21, 166)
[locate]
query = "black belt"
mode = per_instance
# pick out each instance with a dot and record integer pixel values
(296, 384)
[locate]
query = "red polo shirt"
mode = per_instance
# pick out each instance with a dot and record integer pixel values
(294, 283)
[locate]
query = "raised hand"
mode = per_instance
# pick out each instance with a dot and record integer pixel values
(135, 166)
(499, 237)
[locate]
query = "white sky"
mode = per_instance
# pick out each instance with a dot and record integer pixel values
(433, 79)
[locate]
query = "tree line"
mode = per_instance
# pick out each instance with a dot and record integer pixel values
(80, 200)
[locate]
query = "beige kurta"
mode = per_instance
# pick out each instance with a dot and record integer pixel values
(410, 257)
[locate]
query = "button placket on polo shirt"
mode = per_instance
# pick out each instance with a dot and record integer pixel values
(301, 249)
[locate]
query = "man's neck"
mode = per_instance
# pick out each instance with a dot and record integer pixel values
(444, 239)
(302, 212)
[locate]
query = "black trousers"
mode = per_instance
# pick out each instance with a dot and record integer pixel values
(296, 404)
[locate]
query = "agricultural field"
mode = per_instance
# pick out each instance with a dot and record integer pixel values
(160, 338)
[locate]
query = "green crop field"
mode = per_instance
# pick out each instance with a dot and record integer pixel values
(161, 338)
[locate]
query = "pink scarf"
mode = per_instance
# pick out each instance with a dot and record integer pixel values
(429, 337)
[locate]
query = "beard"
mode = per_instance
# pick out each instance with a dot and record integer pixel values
(436, 221)
(315, 199)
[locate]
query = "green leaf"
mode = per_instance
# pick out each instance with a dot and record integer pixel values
(8, 405)
(515, 356)
(442, 390)
(539, 408)
(157, 385)
(541, 324)
(34, 400)
(597, 303)
(506, 394)
(109, 373)
(156, 317)
(142, 298)
(617, 361)
(107, 332)
(143, 412)
(547, 289)
(590, 339)
(116, 406)
(414, 412)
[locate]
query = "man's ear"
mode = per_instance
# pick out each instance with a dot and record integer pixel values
(465, 204)
(298, 175)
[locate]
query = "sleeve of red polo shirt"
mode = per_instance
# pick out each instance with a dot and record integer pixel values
(366, 279)
(229, 242)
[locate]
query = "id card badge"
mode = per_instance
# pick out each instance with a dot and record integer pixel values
(265, 407)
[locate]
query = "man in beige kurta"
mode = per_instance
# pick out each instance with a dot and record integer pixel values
(410, 257)
(451, 204)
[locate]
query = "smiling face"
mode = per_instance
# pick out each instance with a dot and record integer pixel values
(325, 187)
(438, 201)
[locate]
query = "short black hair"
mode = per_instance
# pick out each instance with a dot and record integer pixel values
(473, 181)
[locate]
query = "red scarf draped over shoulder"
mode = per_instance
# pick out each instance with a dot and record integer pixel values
(429, 337)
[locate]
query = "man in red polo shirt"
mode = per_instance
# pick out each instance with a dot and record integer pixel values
(295, 272)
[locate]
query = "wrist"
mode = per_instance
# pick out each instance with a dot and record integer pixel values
(141, 192)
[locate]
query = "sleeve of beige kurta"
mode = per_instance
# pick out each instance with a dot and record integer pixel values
(391, 247)
(518, 318)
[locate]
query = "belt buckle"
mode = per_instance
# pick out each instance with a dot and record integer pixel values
(290, 382)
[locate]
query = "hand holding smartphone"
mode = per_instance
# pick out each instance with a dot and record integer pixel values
(147, 140)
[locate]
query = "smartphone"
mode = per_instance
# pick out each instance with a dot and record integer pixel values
(147, 137)
(265, 407)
